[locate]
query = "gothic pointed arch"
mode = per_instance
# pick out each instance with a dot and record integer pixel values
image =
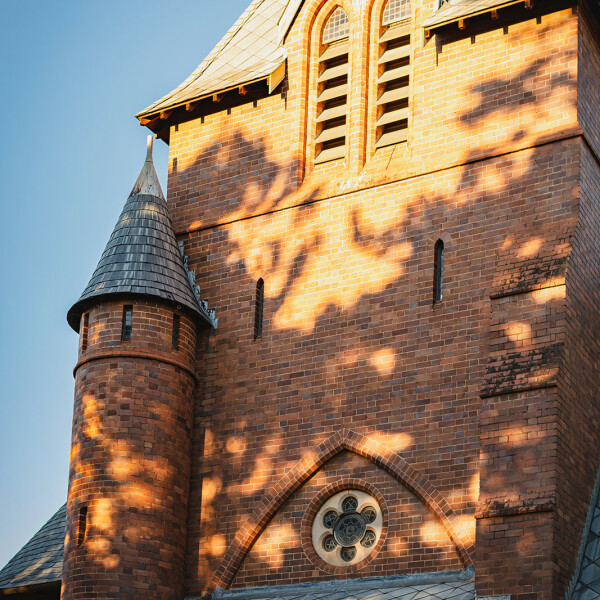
(282, 491)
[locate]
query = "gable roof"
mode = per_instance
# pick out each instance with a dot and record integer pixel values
(40, 560)
(250, 51)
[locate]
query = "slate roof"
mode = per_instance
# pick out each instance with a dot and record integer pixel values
(585, 584)
(450, 585)
(40, 560)
(249, 51)
(459, 9)
(142, 256)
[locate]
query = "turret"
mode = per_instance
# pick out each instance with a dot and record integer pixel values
(134, 381)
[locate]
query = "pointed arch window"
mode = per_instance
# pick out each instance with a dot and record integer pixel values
(337, 26)
(438, 271)
(332, 99)
(258, 309)
(393, 74)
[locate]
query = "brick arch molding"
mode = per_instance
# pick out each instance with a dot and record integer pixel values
(282, 491)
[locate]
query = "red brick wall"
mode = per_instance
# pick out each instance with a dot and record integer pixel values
(351, 338)
(415, 542)
(130, 457)
(513, 87)
(588, 76)
(515, 553)
(579, 414)
(464, 391)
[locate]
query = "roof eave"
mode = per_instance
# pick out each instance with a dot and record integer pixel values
(432, 25)
(201, 314)
(147, 117)
(30, 589)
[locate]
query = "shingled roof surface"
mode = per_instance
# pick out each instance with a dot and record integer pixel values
(586, 580)
(40, 560)
(248, 52)
(459, 9)
(457, 585)
(142, 256)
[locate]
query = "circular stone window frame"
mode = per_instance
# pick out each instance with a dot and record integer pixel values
(319, 505)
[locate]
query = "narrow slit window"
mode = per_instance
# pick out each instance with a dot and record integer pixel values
(438, 271)
(258, 309)
(393, 74)
(82, 525)
(127, 322)
(84, 331)
(332, 98)
(176, 328)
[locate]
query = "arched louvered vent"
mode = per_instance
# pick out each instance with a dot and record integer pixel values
(337, 26)
(394, 11)
(332, 97)
(394, 74)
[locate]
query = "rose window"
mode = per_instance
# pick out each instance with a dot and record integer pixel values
(347, 528)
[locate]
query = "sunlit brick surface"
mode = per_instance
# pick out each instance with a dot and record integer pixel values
(468, 392)
(130, 457)
(473, 420)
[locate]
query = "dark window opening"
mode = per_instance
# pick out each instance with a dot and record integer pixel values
(84, 332)
(127, 322)
(176, 327)
(258, 309)
(82, 525)
(438, 271)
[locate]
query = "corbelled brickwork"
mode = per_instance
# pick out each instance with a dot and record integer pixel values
(130, 456)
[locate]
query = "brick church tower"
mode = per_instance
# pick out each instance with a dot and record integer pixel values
(394, 206)
(134, 384)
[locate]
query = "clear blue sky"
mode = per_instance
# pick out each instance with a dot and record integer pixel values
(73, 74)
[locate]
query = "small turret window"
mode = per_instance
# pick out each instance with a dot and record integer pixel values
(84, 331)
(176, 328)
(258, 309)
(127, 322)
(438, 271)
(82, 525)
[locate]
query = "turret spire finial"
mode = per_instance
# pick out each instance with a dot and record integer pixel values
(147, 182)
(149, 143)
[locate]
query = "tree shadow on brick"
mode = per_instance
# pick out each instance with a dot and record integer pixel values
(351, 336)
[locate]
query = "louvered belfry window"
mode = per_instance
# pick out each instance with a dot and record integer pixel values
(393, 74)
(332, 99)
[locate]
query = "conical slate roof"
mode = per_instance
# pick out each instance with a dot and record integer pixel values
(142, 256)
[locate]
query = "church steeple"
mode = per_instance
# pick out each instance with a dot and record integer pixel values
(134, 404)
(142, 257)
